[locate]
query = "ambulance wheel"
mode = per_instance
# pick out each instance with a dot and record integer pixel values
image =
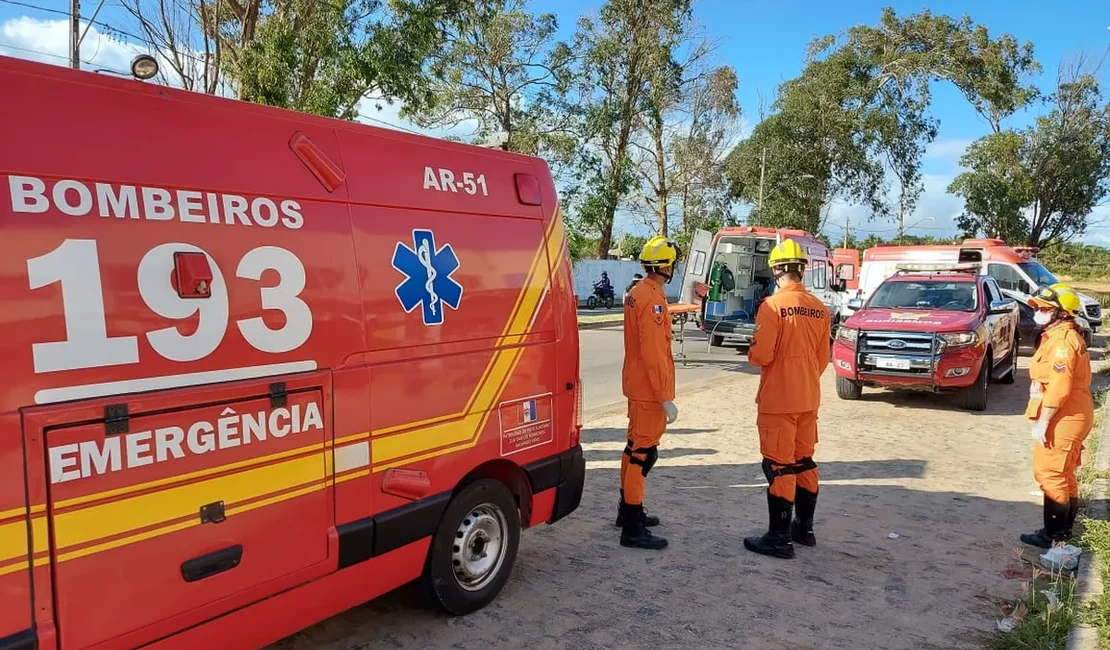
(848, 389)
(474, 548)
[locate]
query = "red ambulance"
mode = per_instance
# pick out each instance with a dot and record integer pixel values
(261, 367)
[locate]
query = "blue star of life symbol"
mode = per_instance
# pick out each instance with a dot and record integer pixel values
(428, 282)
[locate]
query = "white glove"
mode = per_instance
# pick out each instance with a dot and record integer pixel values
(1035, 390)
(671, 410)
(1040, 430)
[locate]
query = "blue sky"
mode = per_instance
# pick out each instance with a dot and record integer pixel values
(764, 41)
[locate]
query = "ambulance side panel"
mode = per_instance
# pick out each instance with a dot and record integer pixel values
(466, 376)
(167, 476)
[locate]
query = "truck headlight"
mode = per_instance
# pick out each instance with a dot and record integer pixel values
(847, 334)
(959, 339)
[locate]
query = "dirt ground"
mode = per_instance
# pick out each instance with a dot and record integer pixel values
(954, 487)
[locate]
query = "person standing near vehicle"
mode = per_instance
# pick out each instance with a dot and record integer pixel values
(1061, 408)
(791, 348)
(648, 382)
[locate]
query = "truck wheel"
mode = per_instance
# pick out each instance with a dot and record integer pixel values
(1011, 373)
(848, 389)
(974, 397)
(474, 548)
(716, 340)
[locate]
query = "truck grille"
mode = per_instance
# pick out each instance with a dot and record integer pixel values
(1094, 311)
(896, 353)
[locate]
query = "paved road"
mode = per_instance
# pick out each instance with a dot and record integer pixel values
(603, 355)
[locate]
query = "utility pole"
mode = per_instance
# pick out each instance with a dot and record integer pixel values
(75, 34)
(762, 164)
(847, 221)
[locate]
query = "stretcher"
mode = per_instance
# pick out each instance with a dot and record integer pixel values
(680, 315)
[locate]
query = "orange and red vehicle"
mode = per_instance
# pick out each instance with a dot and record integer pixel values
(935, 327)
(261, 367)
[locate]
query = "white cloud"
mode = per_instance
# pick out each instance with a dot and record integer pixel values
(47, 41)
(947, 148)
(389, 116)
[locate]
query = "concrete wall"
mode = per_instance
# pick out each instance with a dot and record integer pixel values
(586, 272)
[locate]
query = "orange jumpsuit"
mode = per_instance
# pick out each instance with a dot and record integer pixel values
(648, 380)
(1062, 369)
(792, 350)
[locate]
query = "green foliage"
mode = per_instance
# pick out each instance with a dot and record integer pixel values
(632, 245)
(1058, 170)
(1077, 261)
(325, 57)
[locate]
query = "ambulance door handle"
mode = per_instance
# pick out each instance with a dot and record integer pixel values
(211, 564)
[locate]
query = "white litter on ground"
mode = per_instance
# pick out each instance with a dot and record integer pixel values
(1061, 558)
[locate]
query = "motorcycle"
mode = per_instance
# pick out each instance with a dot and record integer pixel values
(601, 296)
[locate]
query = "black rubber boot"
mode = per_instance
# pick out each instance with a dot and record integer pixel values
(1055, 520)
(648, 520)
(1069, 523)
(801, 530)
(776, 541)
(634, 534)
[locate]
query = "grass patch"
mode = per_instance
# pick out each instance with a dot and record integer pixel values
(1096, 539)
(1045, 615)
(602, 318)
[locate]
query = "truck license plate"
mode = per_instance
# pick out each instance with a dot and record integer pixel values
(893, 364)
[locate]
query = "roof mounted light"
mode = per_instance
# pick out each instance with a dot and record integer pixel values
(144, 67)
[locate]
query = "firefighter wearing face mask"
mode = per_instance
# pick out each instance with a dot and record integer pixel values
(791, 348)
(1061, 409)
(648, 381)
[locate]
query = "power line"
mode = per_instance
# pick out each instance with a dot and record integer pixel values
(40, 52)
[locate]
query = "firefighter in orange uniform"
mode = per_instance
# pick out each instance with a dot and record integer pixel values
(648, 380)
(1061, 408)
(791, 348)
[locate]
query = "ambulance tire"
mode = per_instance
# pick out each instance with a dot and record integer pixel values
(974, 397)
(482, 520)
(848, 389)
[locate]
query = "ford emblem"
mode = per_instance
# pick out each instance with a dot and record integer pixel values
(896, 344)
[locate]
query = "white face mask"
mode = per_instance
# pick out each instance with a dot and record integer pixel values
(1042, 318)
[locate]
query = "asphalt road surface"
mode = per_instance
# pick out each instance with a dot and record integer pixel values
(602, 353)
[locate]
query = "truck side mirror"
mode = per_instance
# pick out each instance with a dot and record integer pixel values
(855, 304)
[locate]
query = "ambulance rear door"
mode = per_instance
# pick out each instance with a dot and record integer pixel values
(163, 516)
(697, 265)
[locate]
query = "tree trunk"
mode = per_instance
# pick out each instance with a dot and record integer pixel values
(663, 191)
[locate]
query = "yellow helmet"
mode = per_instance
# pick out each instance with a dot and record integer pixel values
(659, 252)
(787, 252)
(1058, 296)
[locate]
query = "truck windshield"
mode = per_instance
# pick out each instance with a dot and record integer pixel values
(925, 294)
(1038, 273)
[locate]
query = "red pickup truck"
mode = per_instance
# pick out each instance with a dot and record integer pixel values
(934, 327)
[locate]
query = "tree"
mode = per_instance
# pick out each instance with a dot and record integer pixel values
(689, 114)
(326, 57)
(307, 55)
(860, 107)
(1040, 184)
(191, 55)
(996, 189)
(503, 70)
(627, 42)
